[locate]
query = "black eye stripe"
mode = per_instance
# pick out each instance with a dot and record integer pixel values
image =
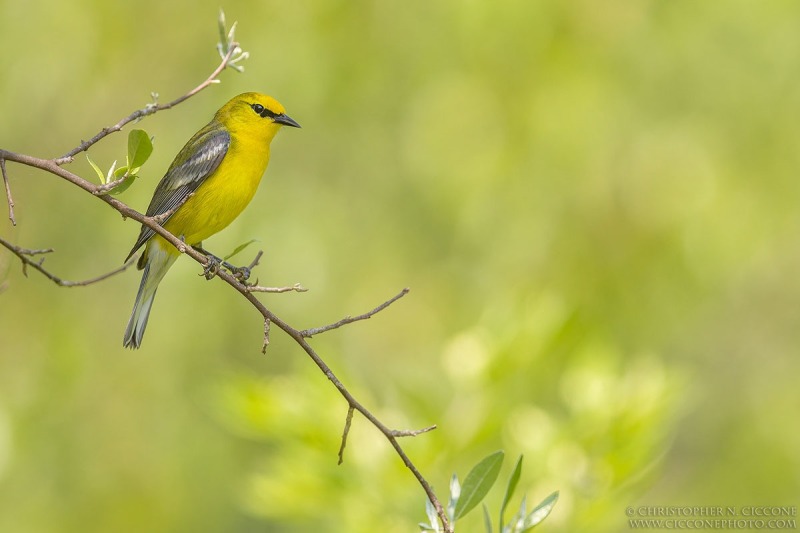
(263, 111)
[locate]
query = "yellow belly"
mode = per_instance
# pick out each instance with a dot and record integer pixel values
(221, 198)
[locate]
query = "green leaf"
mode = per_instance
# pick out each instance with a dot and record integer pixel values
(540, 512)
(118, 173)
(139, 149)
(515, 525)
(512, 485)
(232, 32)
(97, 170)
(122, 187)
(115, 174)
(478, 482)
(239, 249)
(487, 522)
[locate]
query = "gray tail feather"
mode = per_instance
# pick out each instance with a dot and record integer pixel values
(141, 312)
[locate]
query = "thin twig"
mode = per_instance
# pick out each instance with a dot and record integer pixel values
(35, 251)
(25, 254)
(148, 110)
(28, 253)
(258, 288)
(254, 262)
(412, 432)
(350, 319)
(346, 431)
(266, 336)
(351, 400)
(8, 193)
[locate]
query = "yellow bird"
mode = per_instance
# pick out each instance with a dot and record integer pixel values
(220, 167)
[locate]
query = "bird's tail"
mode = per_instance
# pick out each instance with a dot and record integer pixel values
(156, 265)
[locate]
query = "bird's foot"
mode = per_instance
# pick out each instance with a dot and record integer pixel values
(240, 273)
(215, 263)
(212, 267)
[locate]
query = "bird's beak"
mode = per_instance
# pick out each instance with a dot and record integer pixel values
(286, 120)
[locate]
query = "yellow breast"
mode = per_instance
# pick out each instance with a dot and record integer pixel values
(224, 194)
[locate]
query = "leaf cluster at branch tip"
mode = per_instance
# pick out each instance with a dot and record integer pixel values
(140, 146)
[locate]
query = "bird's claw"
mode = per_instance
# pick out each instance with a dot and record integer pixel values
(214, 264)
(211, 268)
(240, 273)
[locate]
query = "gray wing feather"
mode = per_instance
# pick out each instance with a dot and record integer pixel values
(194, 163)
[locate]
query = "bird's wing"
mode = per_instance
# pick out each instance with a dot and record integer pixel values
(194, 163)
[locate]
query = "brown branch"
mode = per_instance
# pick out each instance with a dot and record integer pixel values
(54, 166)
(350, 319)
(390, 435)
(29, 253)
(148, 110)
(126, 211)
(25, 255)
(8, 193)
(299, 337)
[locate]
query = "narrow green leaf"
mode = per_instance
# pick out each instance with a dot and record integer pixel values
(455, 494)
(455, 488)
(540, 512)
(519, 518)
(97, 170)
(425, 527)
(512, 485)
(232, 32)
(222, 31)
(478, 482)
(487, 522)
(515, 524)
(139, 148)
(110, 173)
(239, 249)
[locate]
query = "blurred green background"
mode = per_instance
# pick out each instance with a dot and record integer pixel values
(594, 204)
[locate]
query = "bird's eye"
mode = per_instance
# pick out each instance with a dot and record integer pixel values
(263, 111)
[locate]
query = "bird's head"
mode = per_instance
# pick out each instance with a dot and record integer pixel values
(254, 114)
